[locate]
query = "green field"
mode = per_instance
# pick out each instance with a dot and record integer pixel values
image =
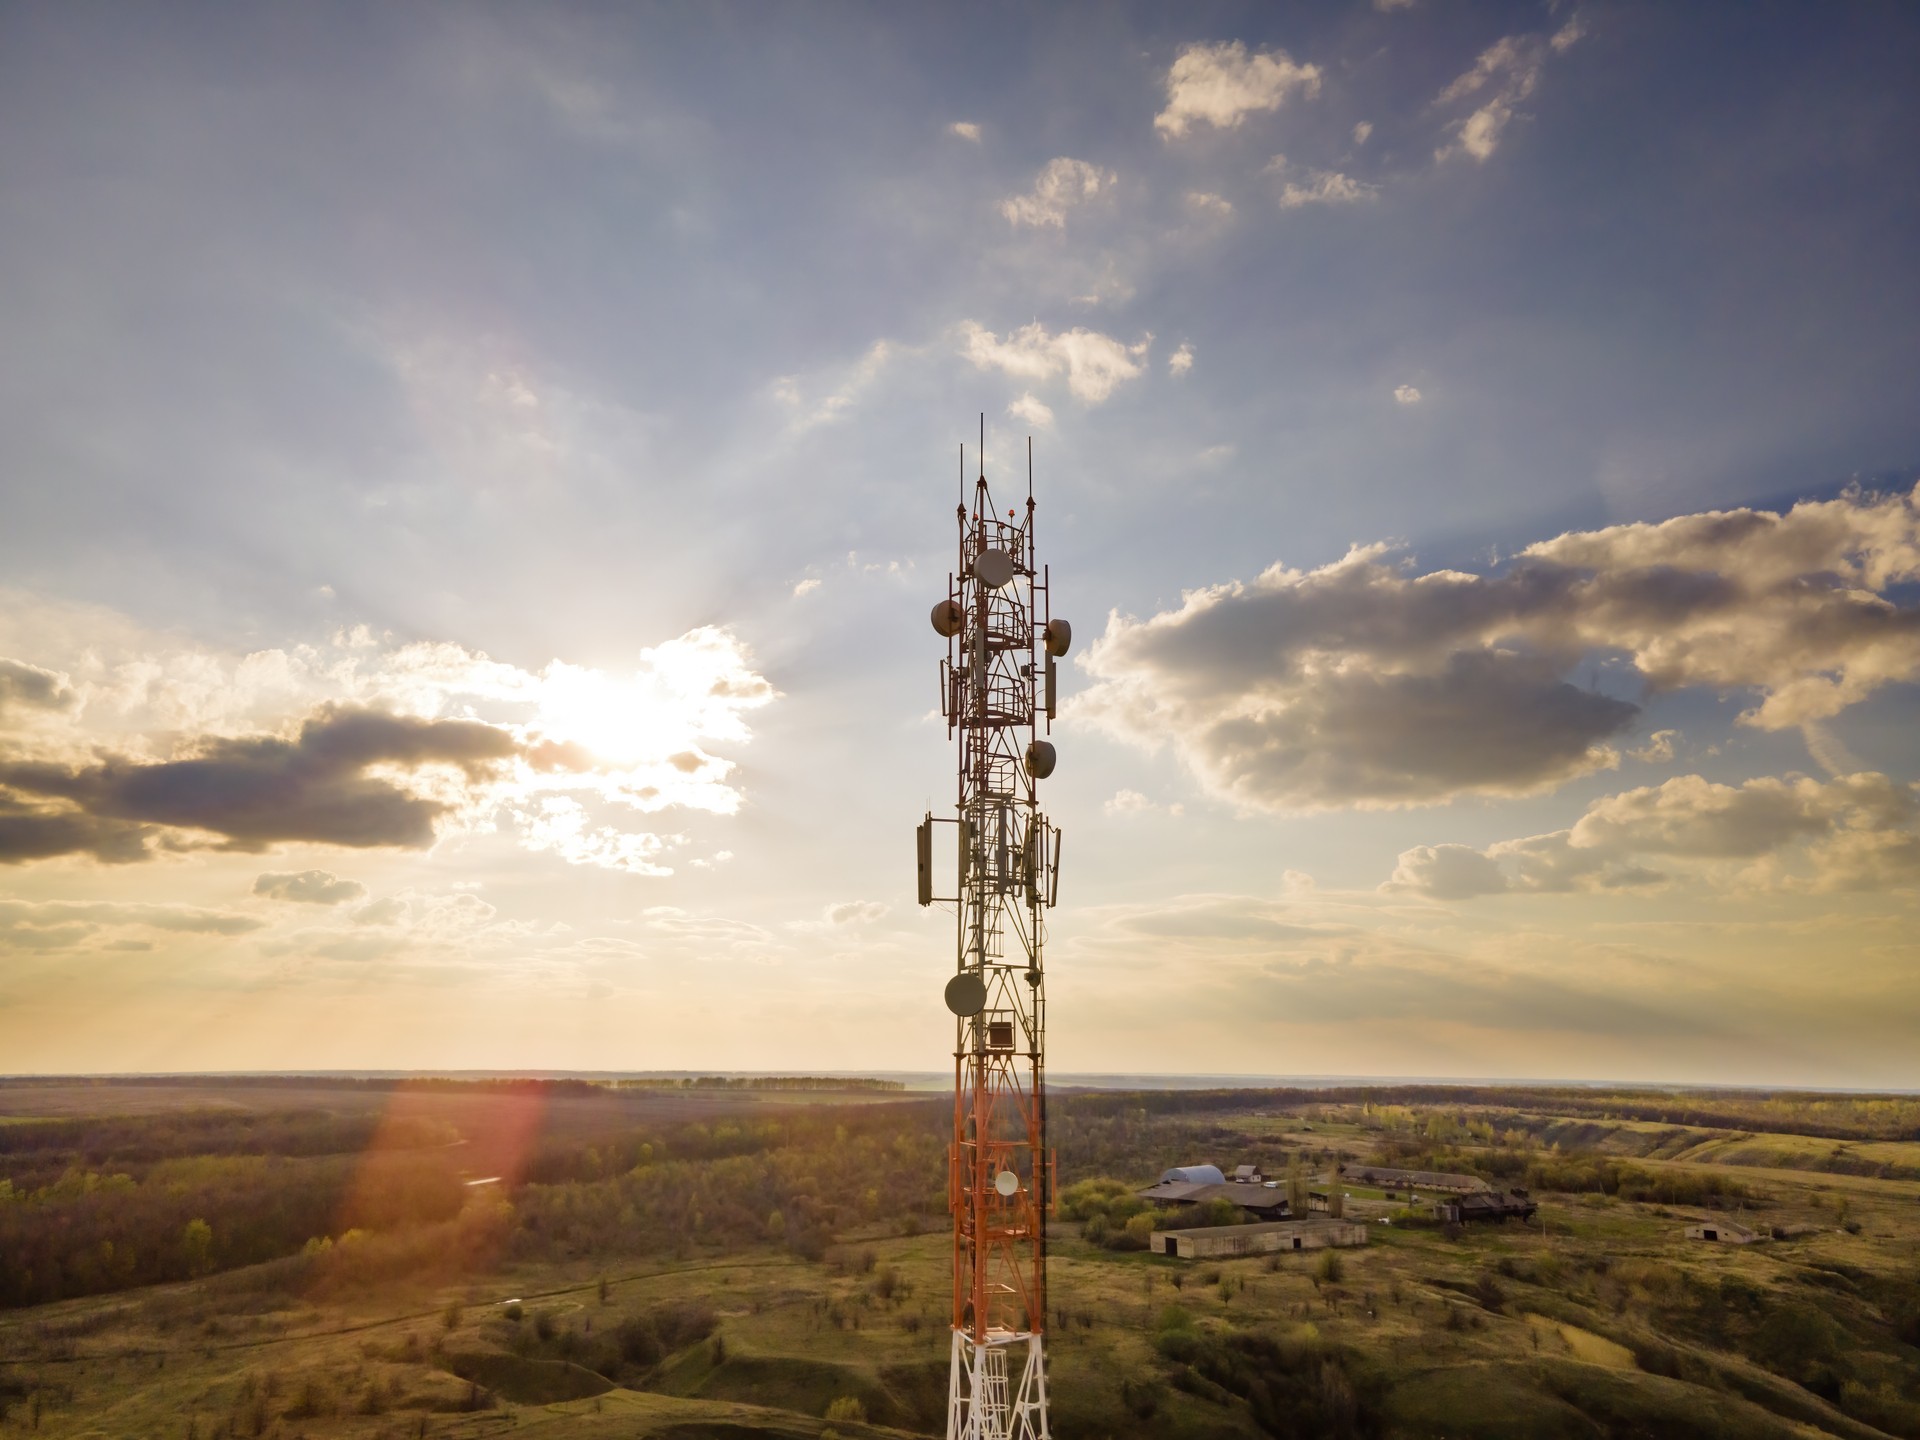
(663, 1297)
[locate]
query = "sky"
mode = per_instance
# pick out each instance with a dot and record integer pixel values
(473, 479)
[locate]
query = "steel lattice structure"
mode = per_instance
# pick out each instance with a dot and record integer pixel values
(997, 687)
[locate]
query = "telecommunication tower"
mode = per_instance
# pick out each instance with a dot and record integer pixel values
(997, 691)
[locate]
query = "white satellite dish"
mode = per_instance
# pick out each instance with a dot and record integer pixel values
(993, 569)
(1007, 1183)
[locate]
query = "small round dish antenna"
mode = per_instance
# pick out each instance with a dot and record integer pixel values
(966, 994)
(1041, 758)
(1059, 637)
(993, 569)
(1007, 1183)
(947, 618)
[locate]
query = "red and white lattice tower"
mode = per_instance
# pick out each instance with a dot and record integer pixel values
(997, 689)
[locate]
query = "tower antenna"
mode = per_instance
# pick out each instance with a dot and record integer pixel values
(997, 688)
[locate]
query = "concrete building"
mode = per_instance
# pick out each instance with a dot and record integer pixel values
(1226, 1241)
(1725, 1231)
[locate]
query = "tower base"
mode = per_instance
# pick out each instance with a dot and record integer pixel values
(997, 1390)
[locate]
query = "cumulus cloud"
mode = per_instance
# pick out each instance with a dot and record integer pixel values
(1205, 202)
(854, 912)
(1366, 683)
(308, 887)
(1033, 410)
(1061, 185)
(1859, 832)
(1181, 361)
(806, 587)
(1220, 84)
(1362, 131)
(965, 129)
(1094, 364)
(1503, 76)
(1406, 394)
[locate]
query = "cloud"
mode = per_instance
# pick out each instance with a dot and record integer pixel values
(1860, 832)
(1181, 361)
(1061, 185)
(1306, 960)
(559, 824)
(1658, 749)
(835, 404)
(1127, 802)
(1221, 84)
(29, 832)
(1205, 202)
(854, 912)
(308, 887)
(966, 130)
(61, 924)
(1365, 683)
(1406, 394)
(1094, 364)
(1503, 76)
(1323, 187)
(1034, 411)
(806, 587)
(379, 759)
(1362, 131)
(28, 687)
(390, 911)
(258, 791)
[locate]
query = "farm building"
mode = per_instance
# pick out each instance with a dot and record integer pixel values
(1221, 1241)
(1485, 1205)
(1197, 1184)
(1725, 1231)
(1388, 1178)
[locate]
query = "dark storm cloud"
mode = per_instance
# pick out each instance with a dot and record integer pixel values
(1365, 683)
(256, 791)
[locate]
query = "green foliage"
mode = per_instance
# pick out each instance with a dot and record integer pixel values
(847, 1407)
(196, 1247)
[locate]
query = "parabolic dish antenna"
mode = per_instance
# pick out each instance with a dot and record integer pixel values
(966, 994)
(1007, 1183)
(994, 568)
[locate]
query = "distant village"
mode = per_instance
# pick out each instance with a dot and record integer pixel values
(1333, 1209)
